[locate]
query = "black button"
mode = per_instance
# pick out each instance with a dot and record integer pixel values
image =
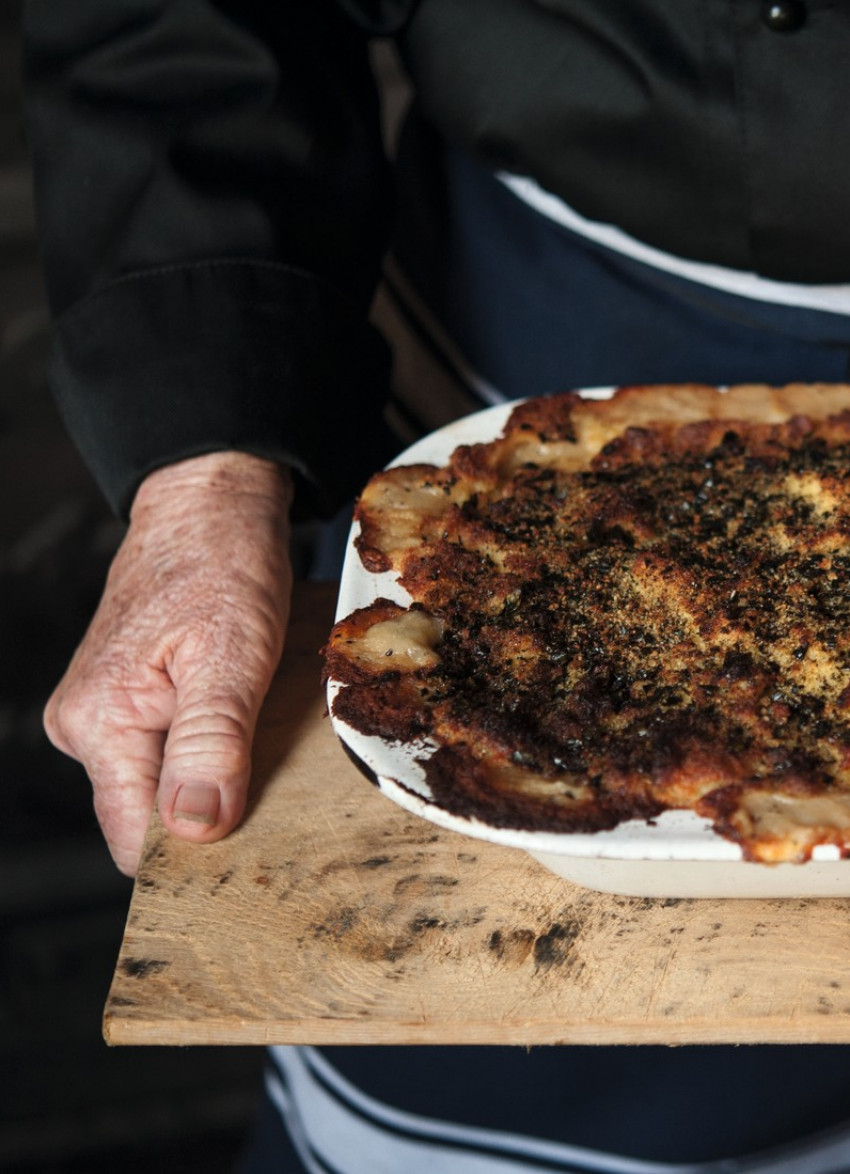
(784, 16)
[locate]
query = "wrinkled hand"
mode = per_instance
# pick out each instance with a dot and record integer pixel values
(161, 699)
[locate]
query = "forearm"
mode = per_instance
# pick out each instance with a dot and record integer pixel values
(212, 201)
(169, 131)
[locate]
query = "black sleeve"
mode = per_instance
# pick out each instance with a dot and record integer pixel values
(213, 201)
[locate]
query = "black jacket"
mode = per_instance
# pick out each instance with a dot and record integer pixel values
(214, 200)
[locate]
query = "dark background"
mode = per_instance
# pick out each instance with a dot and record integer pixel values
(67, 1102)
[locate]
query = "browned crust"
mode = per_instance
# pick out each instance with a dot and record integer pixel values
(390, 708)
(644, 605)
(473, 788)
(339, 663)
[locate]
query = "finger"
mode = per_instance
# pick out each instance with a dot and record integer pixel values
(125, 786)
(119, 741)
(206, 768)
(54, 728)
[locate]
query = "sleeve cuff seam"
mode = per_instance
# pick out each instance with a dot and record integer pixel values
(141, 275)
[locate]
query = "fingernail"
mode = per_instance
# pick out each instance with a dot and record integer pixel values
(197, 803)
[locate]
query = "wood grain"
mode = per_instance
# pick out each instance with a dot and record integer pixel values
(331, 916)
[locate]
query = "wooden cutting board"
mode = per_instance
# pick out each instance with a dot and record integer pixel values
(332, 916)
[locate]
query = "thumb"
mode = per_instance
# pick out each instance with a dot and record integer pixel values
(206, 765)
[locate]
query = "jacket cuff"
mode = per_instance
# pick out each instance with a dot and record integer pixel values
(252, 356)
